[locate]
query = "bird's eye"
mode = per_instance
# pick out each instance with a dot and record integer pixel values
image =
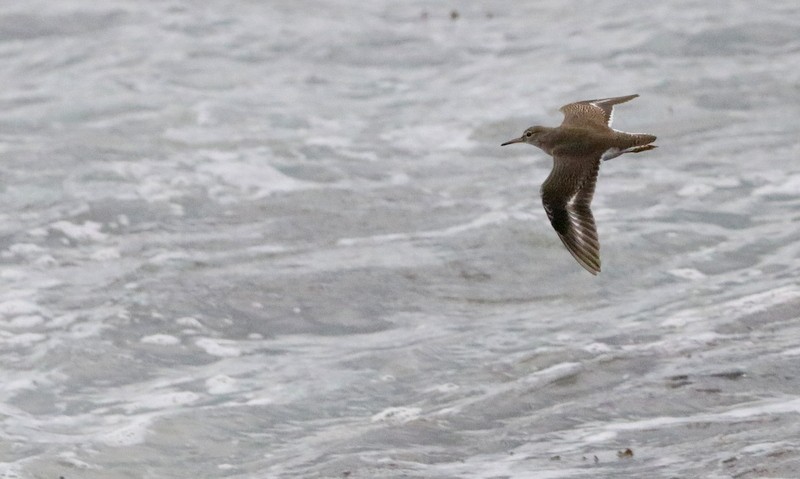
(528, 134)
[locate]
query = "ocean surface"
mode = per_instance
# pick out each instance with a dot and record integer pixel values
(278, 239)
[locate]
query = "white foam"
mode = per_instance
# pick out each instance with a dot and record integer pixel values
(18, 307)
(23, 339)
(789, 186)
(736, 308)
(687, 273)
(751, 410)
(106, 254)
(87, 232)
(254, 180)
(218, 347)
(189, 321)
(600, 436)
(37, 232)
(155, 189)
(485, 219)
(70, 458)
(763, 301)
(30, 381)
(596, 348)
(177, 209)
(161, 400)
(707, 186)
(25, 250)
(268, 249)
(167, 257)
(379, 255)
(526, 383)
(696, 189)
(334, 141)
(86, 330)
(260, 401)
(399, 178)
(127, 431)
(221, 384)
(425, 136)
(160, 339)
(25, 321)
(9, 470)
(62, 321)
(397, 415)
(768, 447)
(443, 388)
(791, 352)
(45, 261)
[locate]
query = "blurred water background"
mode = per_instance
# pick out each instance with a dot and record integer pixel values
(279, 239)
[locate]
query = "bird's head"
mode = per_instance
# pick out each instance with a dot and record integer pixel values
(531, 136)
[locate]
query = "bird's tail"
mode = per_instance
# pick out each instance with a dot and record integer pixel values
(630, 143)
(639, 139)
(641, 142)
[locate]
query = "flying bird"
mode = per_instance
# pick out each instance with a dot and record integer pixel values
(578, 146)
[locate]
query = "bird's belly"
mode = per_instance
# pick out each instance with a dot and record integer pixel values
(610, 153)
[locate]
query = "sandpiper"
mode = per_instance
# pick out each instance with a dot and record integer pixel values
(578, 146)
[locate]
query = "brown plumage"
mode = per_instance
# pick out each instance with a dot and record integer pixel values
(578, 145)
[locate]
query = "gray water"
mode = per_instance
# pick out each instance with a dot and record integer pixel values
(280, 239)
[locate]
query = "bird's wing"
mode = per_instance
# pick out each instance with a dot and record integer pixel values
(592, 113)
(567, 194)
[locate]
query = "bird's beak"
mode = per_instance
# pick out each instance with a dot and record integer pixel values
(515, 140)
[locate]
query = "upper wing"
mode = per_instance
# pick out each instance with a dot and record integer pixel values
(592, 113)
(567, 194)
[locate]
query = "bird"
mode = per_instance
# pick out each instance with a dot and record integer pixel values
(578, 146)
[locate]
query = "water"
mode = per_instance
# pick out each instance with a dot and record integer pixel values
(280, 239)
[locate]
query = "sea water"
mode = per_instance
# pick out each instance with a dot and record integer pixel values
(280, 239)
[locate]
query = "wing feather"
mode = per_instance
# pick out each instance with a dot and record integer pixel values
(567, 195)
(597, 113)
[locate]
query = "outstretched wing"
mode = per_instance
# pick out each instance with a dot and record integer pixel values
(592, 113)
(567, 195)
